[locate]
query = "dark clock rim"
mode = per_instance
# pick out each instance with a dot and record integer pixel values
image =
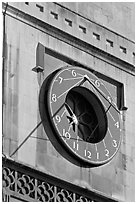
(78, 160)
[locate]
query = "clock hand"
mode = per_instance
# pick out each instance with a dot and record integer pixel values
(58, 110)
(71, 124)
(85, 125)
(81, 132)
(98, 124)
(87, 78)
(76, 131)
(105, 105)
(81, 82)
(69, 109)
(72, 116)
(73, 78)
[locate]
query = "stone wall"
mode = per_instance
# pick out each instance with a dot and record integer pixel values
(119, 17)
(21, 86)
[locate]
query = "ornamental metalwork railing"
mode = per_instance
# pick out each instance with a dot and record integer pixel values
(24, 183)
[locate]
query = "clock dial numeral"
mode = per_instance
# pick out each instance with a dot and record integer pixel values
(114, 143)
(117, 124)
(97, 83)
(88, 154)
(74, 73)
(75, 145)
(66, 134)
(97, 155)
(58, 118)
(54, 97)
(60, 80)
(107, 152)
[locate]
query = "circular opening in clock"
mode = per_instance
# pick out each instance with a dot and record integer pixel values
(86, 114)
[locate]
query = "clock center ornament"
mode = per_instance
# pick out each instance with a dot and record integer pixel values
(80, 117)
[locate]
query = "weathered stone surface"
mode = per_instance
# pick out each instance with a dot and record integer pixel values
(22, 86)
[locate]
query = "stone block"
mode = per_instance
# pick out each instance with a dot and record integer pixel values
(130, 164)
(51, 150)
(130, 179)
(27, 152)
(13, 146)
(6, 145)
(108, 171)
(69, 172)
(41, 145)
(87, 59)
(121, 161)
(34, 107)
(120, 177)
(128, 149)
(44, 163)
(130, 194)
(102, 184)
(97, 171)
(52, 63)
(99, 65)
(126, 163)
(14, 132)
(99, 17)
(118, 192)
(85, 175)
(40, 132)
(25, 103)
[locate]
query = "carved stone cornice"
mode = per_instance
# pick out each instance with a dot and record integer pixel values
(121, 55)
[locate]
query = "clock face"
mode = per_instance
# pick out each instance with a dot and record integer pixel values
(80, 116)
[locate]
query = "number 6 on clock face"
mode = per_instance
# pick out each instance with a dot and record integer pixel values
(81, 120)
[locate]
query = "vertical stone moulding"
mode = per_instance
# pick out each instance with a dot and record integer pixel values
(40, 50)
(133, 55)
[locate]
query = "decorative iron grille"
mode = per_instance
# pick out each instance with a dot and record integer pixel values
(27, 184)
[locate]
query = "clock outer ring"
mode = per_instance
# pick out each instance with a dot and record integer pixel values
(76, 157)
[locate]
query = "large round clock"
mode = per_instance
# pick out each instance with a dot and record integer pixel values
(80, 117)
